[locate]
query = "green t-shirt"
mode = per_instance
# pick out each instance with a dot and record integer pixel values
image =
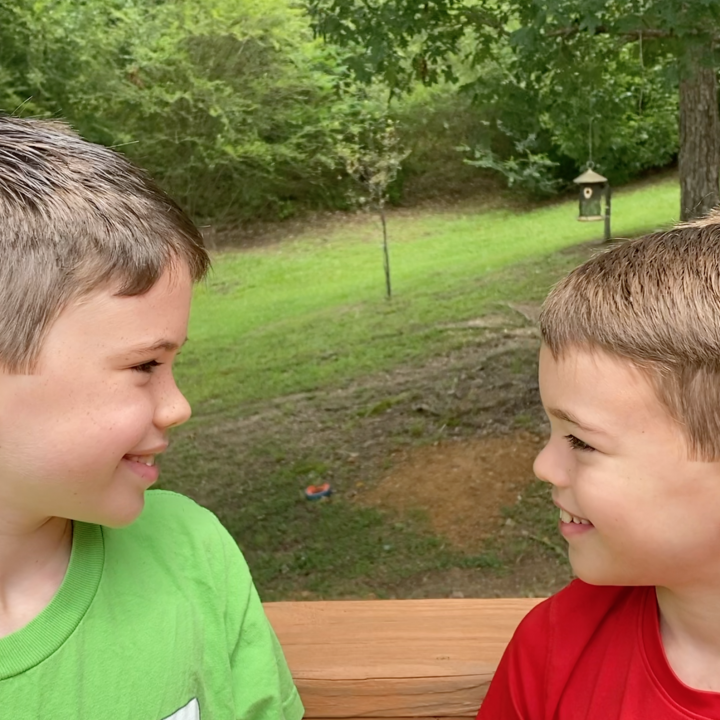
(153, 621)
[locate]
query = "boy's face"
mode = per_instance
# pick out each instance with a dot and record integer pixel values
(654, 515)
(76, 436)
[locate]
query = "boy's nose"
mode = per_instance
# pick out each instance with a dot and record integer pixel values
(546, 466)
(172, 409)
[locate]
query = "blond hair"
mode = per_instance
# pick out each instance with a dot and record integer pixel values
(654, 301)
(74, 217)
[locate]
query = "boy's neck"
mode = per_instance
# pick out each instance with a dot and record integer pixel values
(690, 631)
(34, 558)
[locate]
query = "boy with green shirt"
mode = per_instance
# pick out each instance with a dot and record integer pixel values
(115, 602)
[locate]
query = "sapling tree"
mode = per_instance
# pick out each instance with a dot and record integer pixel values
(373, 156)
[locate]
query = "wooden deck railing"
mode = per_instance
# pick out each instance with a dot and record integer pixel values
(392, 659)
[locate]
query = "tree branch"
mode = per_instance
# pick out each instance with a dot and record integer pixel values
(648, 33)
(630, 35)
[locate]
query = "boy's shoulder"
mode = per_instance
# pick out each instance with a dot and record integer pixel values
(575, 615)
(585, 636)
(175, 534)
(168, 606)
(584, 604)
(169, 510)
(175, 517)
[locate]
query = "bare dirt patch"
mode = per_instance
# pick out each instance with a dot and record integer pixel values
(463, 486)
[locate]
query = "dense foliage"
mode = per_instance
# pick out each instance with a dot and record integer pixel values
(616, 110)
(240, 112)
(559, 75)
(231, 105)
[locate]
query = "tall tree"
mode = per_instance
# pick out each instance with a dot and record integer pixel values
(231, 106)
(409, 40)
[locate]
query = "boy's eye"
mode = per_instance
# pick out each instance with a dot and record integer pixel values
(577, 444)
(147, 367)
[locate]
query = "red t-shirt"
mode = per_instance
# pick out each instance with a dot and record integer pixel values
(592, 653)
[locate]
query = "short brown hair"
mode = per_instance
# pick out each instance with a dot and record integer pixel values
(75, 216)
(654, 301)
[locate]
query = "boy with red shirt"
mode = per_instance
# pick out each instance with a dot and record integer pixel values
(630, 381)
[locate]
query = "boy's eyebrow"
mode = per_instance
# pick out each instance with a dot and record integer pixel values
(163, 344)
(564, 415)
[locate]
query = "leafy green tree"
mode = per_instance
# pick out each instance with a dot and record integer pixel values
(232, 106)
(570, 46)
(616, 112)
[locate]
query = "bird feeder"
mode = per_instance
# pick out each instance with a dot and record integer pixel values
(593, 189)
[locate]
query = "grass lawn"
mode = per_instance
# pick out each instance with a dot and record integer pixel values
(310, 312)
(307, 317)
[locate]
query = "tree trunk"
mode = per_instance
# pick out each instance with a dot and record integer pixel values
(699, 139)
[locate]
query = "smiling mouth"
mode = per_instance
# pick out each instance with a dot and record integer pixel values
(566, 517)
(148, 460)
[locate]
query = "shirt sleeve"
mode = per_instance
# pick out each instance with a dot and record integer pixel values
(263, 687)
(517, 690)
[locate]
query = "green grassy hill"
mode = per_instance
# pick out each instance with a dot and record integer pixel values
(311, 311)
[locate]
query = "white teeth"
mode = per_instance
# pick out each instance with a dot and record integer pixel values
(148, 460)
(566, 517)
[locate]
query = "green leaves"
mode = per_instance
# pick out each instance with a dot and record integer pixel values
(232, 107)
(404, 41)
(557, 82)
(240, 112)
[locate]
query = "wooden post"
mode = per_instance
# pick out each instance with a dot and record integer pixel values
(386, 254)
(608, 194)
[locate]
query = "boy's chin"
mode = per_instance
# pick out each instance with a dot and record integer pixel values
(594, 573)
(119, 516)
